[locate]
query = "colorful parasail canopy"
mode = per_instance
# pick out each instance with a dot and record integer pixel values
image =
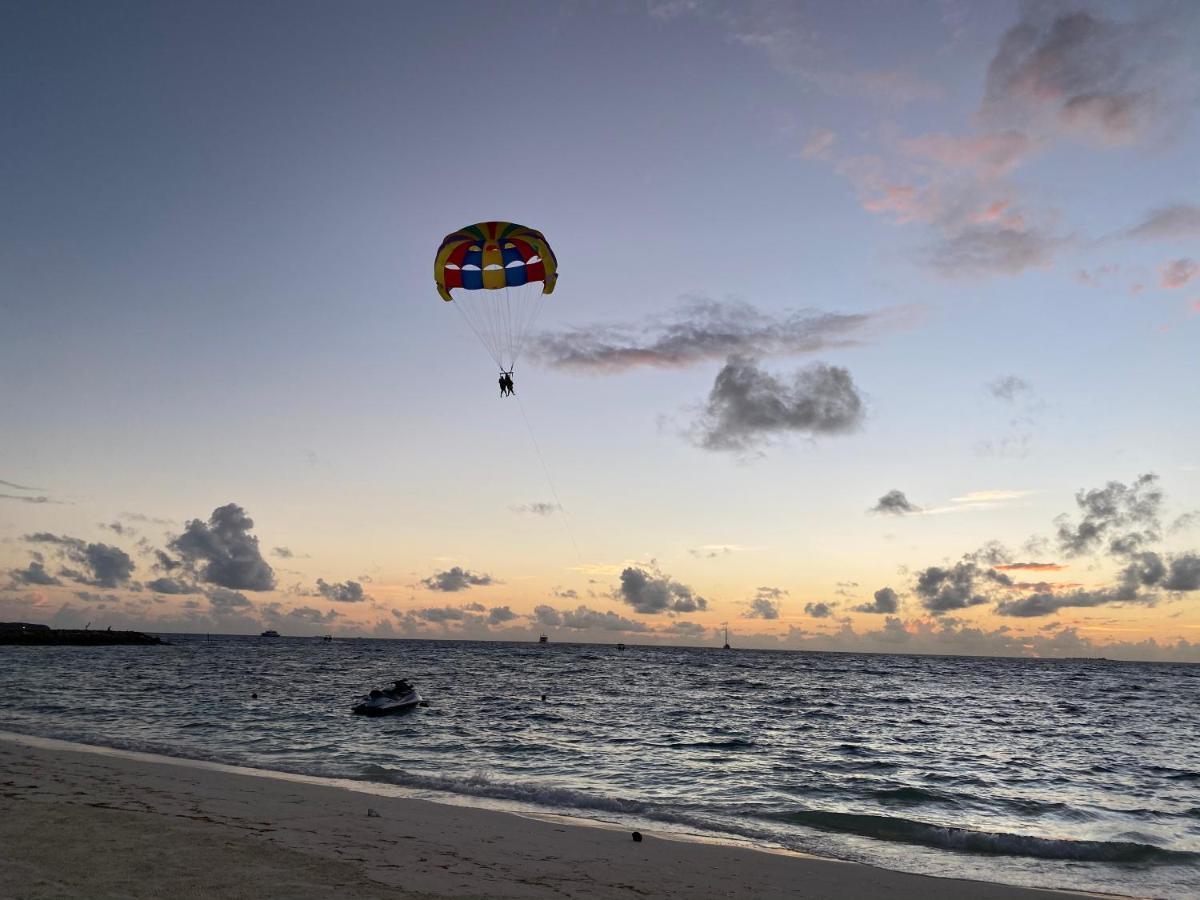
(498, 273)
(494, 255)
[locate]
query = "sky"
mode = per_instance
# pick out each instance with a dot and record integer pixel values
(876, 324)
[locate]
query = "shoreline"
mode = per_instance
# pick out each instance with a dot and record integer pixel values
(254, 826)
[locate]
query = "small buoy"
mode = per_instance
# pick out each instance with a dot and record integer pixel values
(543, 698)
(372, 814)
(254, 696)
(637, 836)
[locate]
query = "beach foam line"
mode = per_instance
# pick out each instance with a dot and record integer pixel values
(474, 792)
(965, 840)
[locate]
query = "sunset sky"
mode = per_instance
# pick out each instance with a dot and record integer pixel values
(877, 325)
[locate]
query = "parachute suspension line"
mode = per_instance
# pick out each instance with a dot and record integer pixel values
(486, 345)
(550, 481)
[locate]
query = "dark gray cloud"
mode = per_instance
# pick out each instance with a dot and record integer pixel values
(165, 563)
(33, 574)
(566, 593)
(818, 610)
(1048, 603)
(118, 528)
(700, 330)
(943, 589)
(225, 601)
(583, 618)
(886, 602)
(547, 615)
(500, 614)
(765, 603)
(441, 613)
(343, 592)
(1168, 223)
(308, 615)
(111, 566)
(693, 630)
(224, 552)
(1077, 70)
(21, 499)
(1184, 574)
(92, 597)
(1126, 516)
(748, 406)
(651, 593)
(105, 565)
(282, 552)
(171, 586)
(456, 579)
(894, 503)
(538, 508)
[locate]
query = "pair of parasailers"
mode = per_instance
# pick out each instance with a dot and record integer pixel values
(506, 384)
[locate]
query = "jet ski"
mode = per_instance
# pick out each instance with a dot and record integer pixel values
(401, 697)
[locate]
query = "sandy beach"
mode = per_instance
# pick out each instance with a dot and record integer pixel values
(86, 822)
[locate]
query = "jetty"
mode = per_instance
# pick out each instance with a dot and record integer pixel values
(28, 634)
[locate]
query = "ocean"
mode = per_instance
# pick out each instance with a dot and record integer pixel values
(1079, 774)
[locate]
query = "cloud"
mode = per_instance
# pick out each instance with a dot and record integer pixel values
(538, 508)
(748, 406)
(1184, 573)
(1109, 509)
(33, 574)
(37, 500)
(345, 592)
(547, 615)
(652, 593)
(1031, 566)
(765, 603)
(1078, 72)
(944, 589)
(456, 579)
(224, 601)
(1045, 604)
(108, 566)
(818, 610)
(794, 45)
(886, 602)
(499, 614)
(441, 613)
(1009, 387)
(1168, 223)
(702, 330)
(583, 618)
(18, 487)
(894, 503)
(1178, 272)
(282, 552)
(171, 586)
(223, 552)
(990, 250)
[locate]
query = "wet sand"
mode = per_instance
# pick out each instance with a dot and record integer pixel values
(92, 823)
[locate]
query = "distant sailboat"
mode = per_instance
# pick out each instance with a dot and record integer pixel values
(726, 647)
(543, 640)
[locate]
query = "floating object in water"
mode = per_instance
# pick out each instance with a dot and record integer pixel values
(543, 640)
(401, 697)
(270, 632)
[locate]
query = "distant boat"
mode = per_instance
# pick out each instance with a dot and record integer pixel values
(543, 640)
(270, 632)
(620, 646)
(327, 638)
(726, 647)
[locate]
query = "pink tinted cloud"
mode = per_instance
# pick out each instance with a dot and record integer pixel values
(991, 154)
(1178, 272)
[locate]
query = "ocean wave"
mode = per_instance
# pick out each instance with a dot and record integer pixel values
(732, 744)
(965, 840)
